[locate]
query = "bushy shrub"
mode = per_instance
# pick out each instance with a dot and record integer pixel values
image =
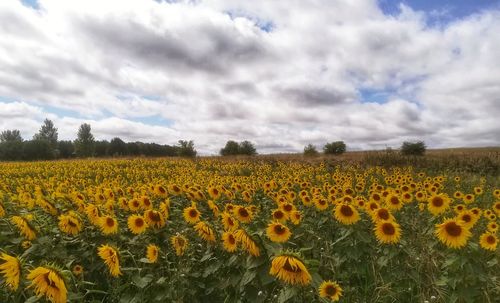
(413, 148)
(335, 148)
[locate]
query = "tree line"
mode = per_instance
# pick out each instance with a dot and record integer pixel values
(45, 146)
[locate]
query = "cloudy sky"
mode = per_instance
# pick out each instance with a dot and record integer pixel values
(279, 73)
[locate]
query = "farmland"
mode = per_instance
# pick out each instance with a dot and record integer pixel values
(258, 229)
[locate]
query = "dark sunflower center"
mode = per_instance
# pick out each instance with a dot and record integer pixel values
(71, 223)
(278, 215)
(288, 207)
(453, 229)
(243, 212)
(231, 239)
(139, 222)
(279, 229)
(437, 201)
(394, 200)
(330, 290)
(161, 189)
(193, 213)
(215, 192)
(154, 216)
(376, 197)
(288, 267)
(346, 210)
(460, 208)
(373, 206)
(388, 229)
(110, 222)
(490, 239)
(497, 206)
(383, 214)
(135, 203)
(176, 189)
(146, 202)
(180, 241)
(467, 218)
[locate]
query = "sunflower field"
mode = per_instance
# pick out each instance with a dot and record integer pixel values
(216, 230)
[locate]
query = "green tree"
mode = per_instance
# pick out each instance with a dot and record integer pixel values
(117, 147)
(310, 150)
(38, 149)
(85, 142)
(413, 148)
(335, 148)
(66, 149)
(231, 148)
(10, 135)
(247, 148)
(186, 148)
(47, 132)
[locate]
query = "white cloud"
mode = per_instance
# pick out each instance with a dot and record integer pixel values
(211, 70)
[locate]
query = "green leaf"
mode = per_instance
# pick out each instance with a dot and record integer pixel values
(248, 276)
(286, 294)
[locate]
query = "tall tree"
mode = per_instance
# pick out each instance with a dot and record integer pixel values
(186, 148)
(47, 132)
(247, 148)
(232, 148)
(117, 147)
(85, 142)
(10, 135)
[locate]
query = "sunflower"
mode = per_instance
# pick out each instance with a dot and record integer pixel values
(478, 190)
(287, 207)
(111, 259)
(205, 231)
(387, 232)
(320, 203)
(26, 244)
(496, 208)
(134, 204)
(154, 218)
(458, 195)
(247, 242)
(459, 208)
(468, 198)
(229, 241)
(179, 243)
(48, 282)
(242, 214)
(174, 189)
(69, 224)
(136, 224)
(10, 268)
(24, 227)
(2, 211)
(290, 269)
(279, 215)
(152, 252)
(492, 227)
(346, 214)
(330, 290)
(77, 270)
(214, 193)
(421, 196)
(438, 204)
(278, 232)
(488, 241)
(393, 202)
(452, 233)
(295, 217)
(160, 191)
(109, 225)
(191, 215)
(228, 222)
(468, 218)
(372, 205)
(146, 202)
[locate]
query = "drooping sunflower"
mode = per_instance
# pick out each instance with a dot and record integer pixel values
(295, 217)
(179, 243)
(10, 268)
(247, 242)
(242, 214)
(111, 259)
(346, 214)
(136, 224)
(69, 224)
(229, 241)
(152, 252)
(488, 241)
(290, 269)
(228, 222)
(205, 231)
(438, 204)
(160, 190)
(452, 233)
(108, 225)
(214, 193)
(330, 290)
(278, 232)
(24, 227)
(48, 282)
(387, 232)
(191, 215)
(154, 218)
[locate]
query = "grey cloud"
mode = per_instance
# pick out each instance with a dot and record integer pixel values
(314, 96)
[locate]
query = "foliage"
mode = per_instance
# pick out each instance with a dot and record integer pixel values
(47, 132)
(85, 142)
(310, 150)
(233, 148)
(186, 149)
(417, 267)
(413, 148)
(117, 147)
(66, 149)
(335, 148)
(10, 135)
(38, 149)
